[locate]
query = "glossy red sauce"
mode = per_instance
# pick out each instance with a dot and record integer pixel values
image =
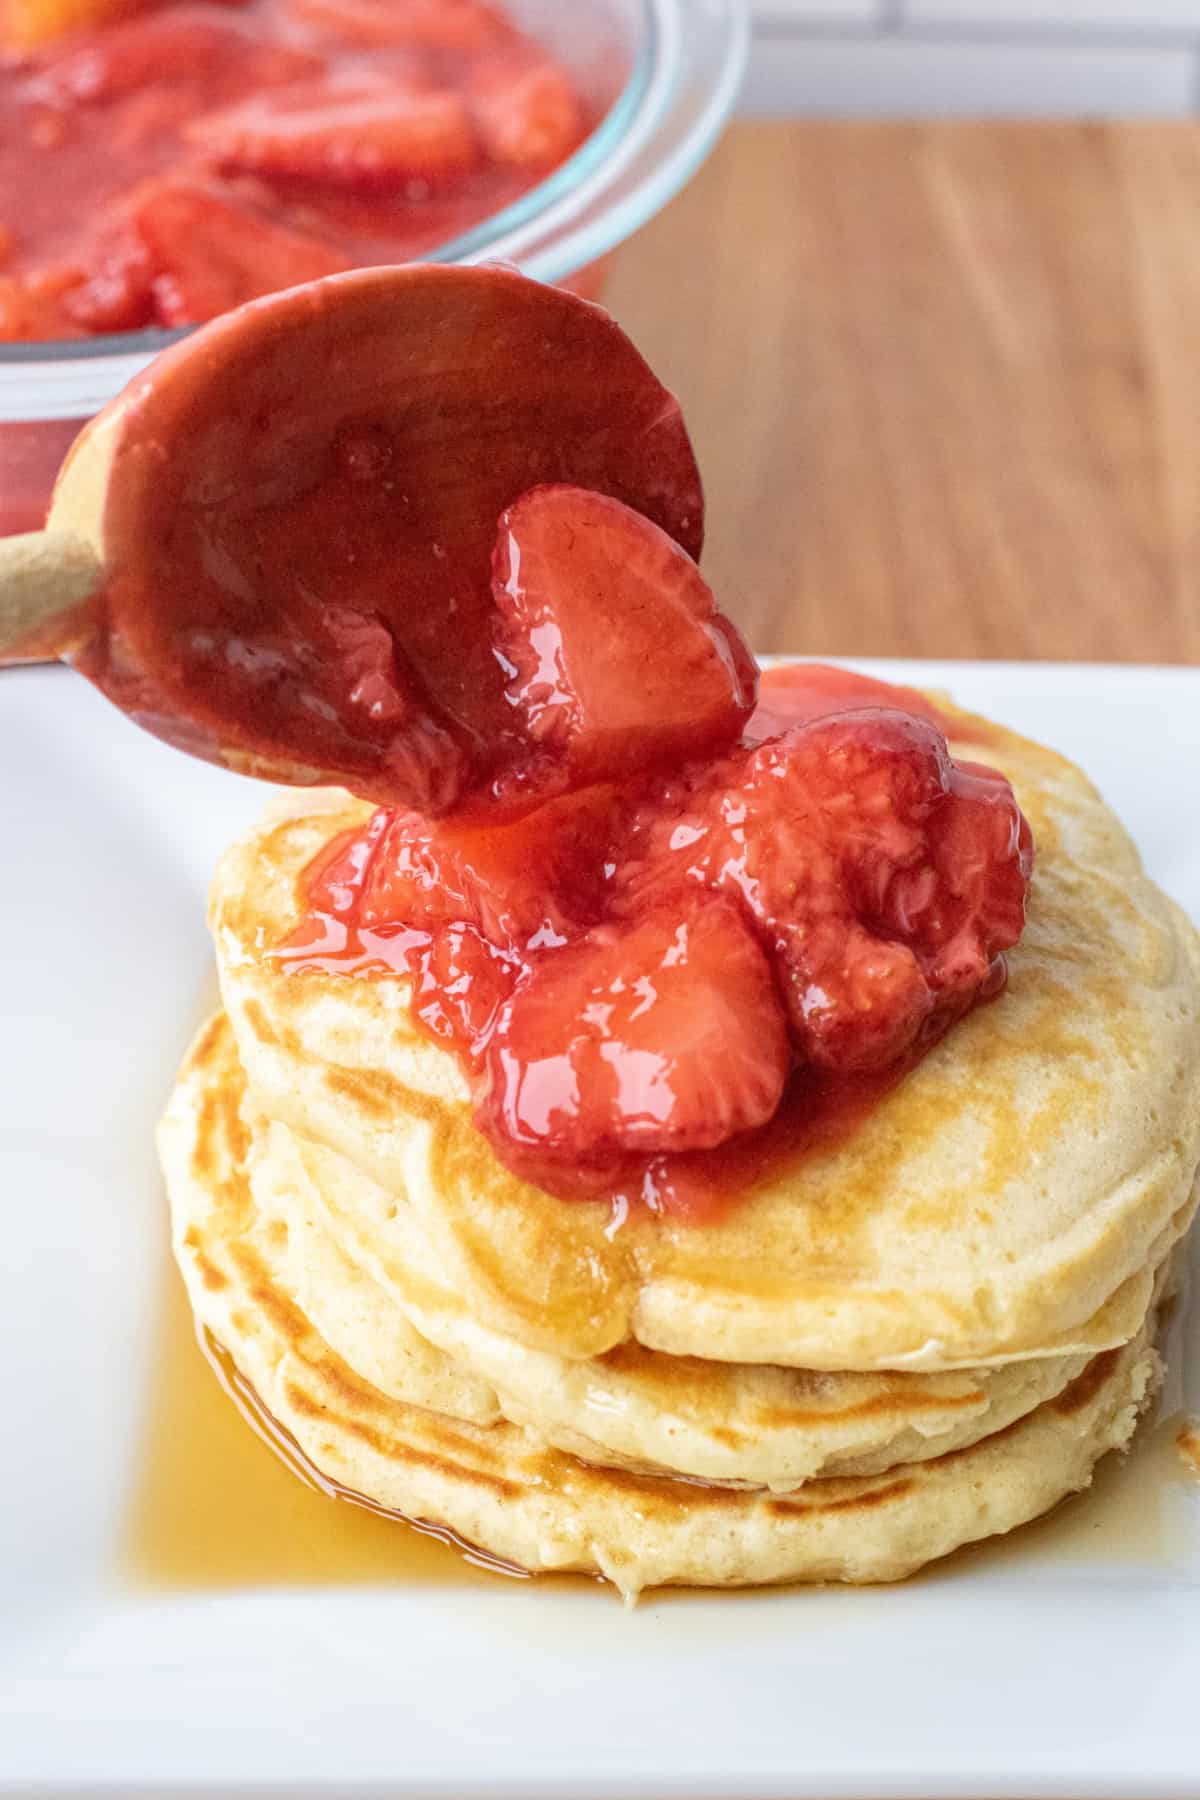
(795, 692)
(472, 918)
(163, 168)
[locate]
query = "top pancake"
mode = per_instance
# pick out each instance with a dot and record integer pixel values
(987, 1209)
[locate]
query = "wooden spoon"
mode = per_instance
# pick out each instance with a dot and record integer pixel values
(273, 548)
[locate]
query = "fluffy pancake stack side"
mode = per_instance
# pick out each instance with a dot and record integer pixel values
(917, 1337)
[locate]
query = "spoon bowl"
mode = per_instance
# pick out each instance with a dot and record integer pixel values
(273, 549)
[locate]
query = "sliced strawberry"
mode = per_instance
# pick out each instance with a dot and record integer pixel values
(619, 659)
(117, 292)
(32, 307)
(663, 1035)
(430, 24)
(982, 853)
(211, 253)
(524, 885)
(456, 909)
(358, 140)
(524, 106)
(180, 48)
(887, 879)
(378, 694)
(334, 880)
(460, 982)
(459, 979)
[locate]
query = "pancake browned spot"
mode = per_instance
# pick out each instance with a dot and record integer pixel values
(893, 1402)
(396, 1449)
(286, 1317)
(380, 1096)
(259, 1022)
(858, 1502)
(677, 1493)
(209, 1040)
(1087, 1385)
(204, 1147)
(210, 1275)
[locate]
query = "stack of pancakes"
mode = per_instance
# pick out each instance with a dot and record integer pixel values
(921, 1333)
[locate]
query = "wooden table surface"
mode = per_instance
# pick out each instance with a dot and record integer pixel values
(944, 383)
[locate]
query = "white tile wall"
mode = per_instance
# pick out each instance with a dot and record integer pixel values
(1134, 15)
(821, 12)
(890, 76)
(863, 57)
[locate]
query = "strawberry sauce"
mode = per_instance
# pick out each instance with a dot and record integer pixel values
(665, 988)
(185, 158)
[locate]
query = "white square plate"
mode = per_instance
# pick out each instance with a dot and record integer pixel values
(1066, 1663)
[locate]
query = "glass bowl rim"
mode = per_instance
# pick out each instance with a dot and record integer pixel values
(550, 210)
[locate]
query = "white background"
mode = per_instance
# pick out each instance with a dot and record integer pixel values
(941, 57)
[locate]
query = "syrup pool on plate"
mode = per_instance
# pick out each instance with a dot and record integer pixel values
(1187, 1444)
(223, 1498)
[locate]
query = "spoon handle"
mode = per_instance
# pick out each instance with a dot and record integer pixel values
(44, 575)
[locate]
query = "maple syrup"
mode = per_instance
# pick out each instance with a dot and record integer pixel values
(1127, 1517)
(1187, 1445)
(227, 1499)
(1136, 1512)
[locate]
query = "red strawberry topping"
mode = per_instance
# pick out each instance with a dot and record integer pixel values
(632, 972)
(885, 878)
(35, 307)
(186, 49)
(359, 481)
(347, 139)
(525, 109)
(458, 908)
(117, 291)
(663, 1035)
(798, 693)
(533, 883)
(618, 658)
(431, 24)
(210, 252)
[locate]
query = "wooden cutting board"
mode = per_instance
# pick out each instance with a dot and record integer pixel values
(944, 381)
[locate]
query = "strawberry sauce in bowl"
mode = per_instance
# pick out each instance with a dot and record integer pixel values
(169, 164)
(165, 167)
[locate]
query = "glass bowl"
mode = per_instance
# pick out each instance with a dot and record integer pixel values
(663, 73)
